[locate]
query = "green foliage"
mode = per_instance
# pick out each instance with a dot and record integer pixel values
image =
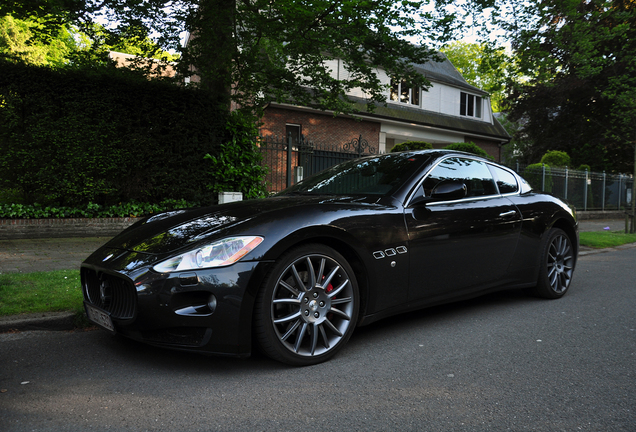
(483, 66)
(584, 168)
(412, 145)
(237, 167)
(286, 47)
(8, 196)
(71, 137)
(556, 158)
(16, 42)
(534, 175)
(577, 60)
(468, 147)
(91, 210)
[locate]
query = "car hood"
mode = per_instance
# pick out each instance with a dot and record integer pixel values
(174, 230)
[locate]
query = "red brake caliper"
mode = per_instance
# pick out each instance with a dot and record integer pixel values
(329, 287)
(328, 290)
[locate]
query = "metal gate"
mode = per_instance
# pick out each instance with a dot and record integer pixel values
(290, 162)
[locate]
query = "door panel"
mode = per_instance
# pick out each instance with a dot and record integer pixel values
(460, 245)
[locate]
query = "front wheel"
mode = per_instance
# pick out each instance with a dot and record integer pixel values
(307, 307)
(557, 265)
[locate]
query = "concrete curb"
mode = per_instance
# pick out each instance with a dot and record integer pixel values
(38, 321)
(590, 251)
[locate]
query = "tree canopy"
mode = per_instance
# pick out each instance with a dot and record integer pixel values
(267, 51)
(483, 66)
(16, 42)
(577, 60)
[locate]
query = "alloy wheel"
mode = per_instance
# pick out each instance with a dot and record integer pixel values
(560, 263)
(312, 306)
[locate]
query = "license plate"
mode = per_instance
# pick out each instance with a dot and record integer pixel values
(99, 317)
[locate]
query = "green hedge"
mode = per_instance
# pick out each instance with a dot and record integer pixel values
(91, 210)
(73, 137)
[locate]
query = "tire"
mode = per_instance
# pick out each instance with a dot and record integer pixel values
(307, 307)
(557, 265)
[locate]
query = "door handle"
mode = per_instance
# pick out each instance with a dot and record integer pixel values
(507, 214)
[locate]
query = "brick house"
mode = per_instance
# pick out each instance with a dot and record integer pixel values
(450, 111)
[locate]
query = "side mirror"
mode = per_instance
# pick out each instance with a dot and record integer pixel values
(449, 190)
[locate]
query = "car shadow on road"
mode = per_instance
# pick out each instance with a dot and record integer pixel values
(142, 355)
(456, 311)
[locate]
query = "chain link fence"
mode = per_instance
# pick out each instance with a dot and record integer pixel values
(586, 190)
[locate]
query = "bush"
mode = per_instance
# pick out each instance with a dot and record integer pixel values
(534, 175)
(237, 165)
(412, 145)
(556, 158)
(469, 147)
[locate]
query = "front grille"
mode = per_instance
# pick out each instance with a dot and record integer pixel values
(110, 293)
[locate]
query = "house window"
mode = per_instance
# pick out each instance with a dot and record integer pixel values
(403, 92)
(470, 105)
(293, 131)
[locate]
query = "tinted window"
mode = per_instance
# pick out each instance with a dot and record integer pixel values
(365, 176)
(475, 175)
(506, 182)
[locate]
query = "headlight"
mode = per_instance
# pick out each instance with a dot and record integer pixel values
(221, 253)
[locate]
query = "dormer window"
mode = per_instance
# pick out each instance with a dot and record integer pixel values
(470, 105)
(403, 92)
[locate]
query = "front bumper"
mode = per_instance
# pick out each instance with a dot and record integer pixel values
(208, 311)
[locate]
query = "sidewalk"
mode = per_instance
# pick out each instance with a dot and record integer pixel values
(32, 255)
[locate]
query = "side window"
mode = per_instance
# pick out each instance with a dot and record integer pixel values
(506, 182)
(475, 175)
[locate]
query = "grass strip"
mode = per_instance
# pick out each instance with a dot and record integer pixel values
(52, 291)
(605, 239)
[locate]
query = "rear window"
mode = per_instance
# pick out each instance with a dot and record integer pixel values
(506, 181)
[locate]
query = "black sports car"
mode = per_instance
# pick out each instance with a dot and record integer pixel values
(356, 243)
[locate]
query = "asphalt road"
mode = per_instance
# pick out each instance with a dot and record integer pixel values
(504, 362)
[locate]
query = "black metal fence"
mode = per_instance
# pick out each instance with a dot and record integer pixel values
(289, 162)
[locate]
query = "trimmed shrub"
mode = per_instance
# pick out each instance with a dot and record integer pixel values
(412, 145)
(469, 147)
(534, 175)
(556, 158)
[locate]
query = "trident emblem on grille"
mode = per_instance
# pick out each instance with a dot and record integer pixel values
(104, 292)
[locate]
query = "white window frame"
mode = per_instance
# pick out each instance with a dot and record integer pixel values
(471, 105)
(413, 97)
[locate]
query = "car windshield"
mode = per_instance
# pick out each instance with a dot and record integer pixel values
(379, 175)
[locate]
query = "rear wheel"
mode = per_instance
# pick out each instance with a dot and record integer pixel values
(557, 265)
(307, 307)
